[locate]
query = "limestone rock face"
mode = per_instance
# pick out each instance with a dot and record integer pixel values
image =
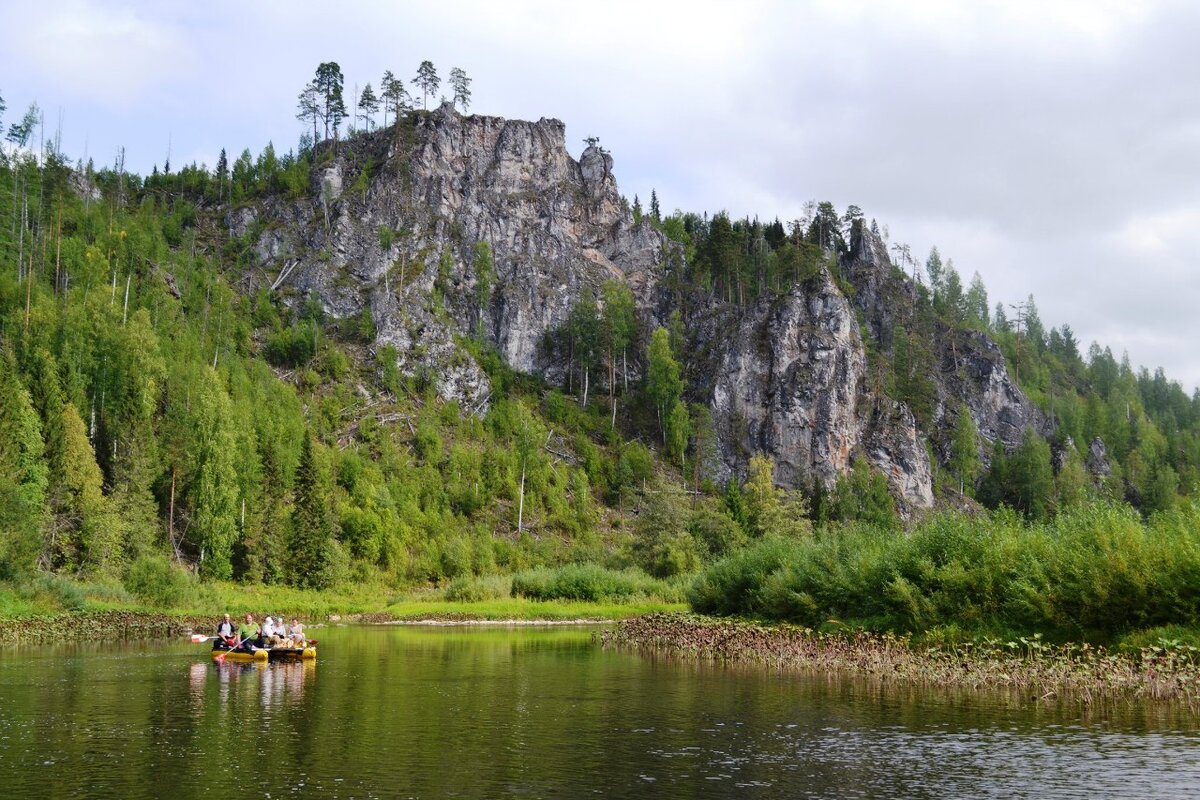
(392, 227)
(790, 384)
(969, 367)
(396, 218)
(1097, 459)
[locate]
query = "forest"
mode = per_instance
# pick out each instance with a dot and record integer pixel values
(164, 412)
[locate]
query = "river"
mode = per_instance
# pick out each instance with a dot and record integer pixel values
(422, 712)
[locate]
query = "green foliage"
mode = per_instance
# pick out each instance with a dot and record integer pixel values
(472, 589)
(294, 346)
(863, 495)
(1094, 572)
(964, 451)
(159, 583)
(1023, 480)
(311, 558)
(663, 545)
(665, 386)
(589, 582)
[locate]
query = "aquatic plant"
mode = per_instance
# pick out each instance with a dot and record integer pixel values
(1168, 670)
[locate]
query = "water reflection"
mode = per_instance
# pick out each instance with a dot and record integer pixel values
(544, 713)
(277, 682)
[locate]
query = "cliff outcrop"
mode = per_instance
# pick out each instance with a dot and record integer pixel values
(393, 227)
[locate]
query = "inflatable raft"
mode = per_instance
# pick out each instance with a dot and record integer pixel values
(221, 652)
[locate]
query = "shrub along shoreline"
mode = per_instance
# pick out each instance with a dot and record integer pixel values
(1028, 667)
(52, 608)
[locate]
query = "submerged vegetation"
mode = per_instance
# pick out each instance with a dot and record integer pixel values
(1167, 670)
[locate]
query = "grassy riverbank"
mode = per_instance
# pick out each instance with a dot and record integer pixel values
(54, 608)
(1035, 670)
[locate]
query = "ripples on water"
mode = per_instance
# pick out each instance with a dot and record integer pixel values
(402, 712)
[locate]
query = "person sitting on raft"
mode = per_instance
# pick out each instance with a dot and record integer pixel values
(226, 632)
(249, 633)
(296, 633)
(272, 633)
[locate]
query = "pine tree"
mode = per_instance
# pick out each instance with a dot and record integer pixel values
(368, 105)
(428, 81)
(461, 85)
(308, 108)
(328, 85)
(394, 96)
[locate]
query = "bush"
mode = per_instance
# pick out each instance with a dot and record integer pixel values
(292, 347)
(157, 582)
(591, 583)
(474, 590)
(60, 591)
(1095, 572)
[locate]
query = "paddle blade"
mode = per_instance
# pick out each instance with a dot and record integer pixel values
(197, 638)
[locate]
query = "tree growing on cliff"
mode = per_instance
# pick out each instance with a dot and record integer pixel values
(461, 85)
(964, 451)
(485, 279)
(328, 84)
(368, 105)
(394, 96)
(618, 326)
(663, 382)
(427, 81)
(583, 333)
(308, 107)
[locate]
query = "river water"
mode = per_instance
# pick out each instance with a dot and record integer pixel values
(398, 712)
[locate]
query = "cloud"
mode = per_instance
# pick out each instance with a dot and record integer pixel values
(1050, 146)
(102, 53)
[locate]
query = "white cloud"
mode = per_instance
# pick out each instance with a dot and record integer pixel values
(103, 53)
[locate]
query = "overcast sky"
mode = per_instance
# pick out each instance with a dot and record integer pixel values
(1054, 147)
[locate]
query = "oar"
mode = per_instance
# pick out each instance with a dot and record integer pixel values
(197, 638)
(221, 657)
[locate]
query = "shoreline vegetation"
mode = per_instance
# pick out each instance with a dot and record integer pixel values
(54, 608)
(1028, 668)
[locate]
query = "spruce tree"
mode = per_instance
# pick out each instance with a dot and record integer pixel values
(23, 475)
(310, 548)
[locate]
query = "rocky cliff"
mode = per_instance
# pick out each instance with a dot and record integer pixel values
(968, 367)
(396, 218)
(393, 225)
